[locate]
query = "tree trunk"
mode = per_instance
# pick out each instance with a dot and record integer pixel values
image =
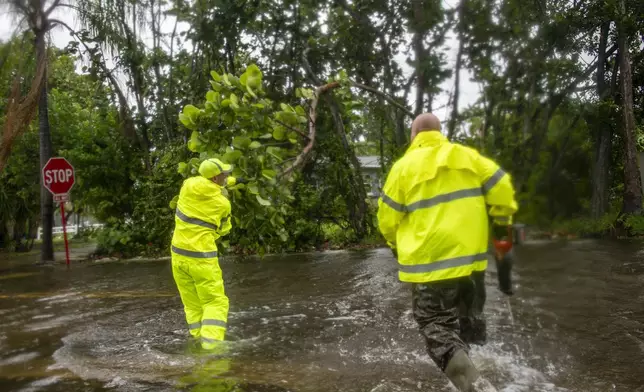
(419, 28)
(156, 48)
(421, 82)
(632, 180)
(457, 81)
(603, 140)
(601, 166)
(46, 200)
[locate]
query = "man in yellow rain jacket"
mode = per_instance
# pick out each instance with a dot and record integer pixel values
(434, 213)
(202, 217)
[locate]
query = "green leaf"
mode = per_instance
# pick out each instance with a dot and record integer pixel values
(234, 80)
(211, 96)
(300, 110)
(191, 111)
(234, 99)
(279, 133)
(182, 167)
(252, 77)
(274, 152)
(286, 107)
(194, 143)
(252, 188)
(266, 136)
(241, 142)
(210, 107)
(186, 121)
(215, 76)
(269, 174)
(258, 105)
(229, 119)
(238, 187)
(232, 156)
(227, 81)
(307, 93)
(262, 201)
(251, 92)
(255, 145)
(215, 86)
(289, 117)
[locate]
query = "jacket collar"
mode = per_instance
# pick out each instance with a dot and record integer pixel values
(203, 185)
(428, 139)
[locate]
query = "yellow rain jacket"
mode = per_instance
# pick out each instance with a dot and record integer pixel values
(434, 208)
(202, 217)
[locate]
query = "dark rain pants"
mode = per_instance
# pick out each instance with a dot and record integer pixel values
(449, 314)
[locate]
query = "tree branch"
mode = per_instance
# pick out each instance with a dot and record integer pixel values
(20, 6)
(51, 8)
(292, 128)
(301, 158)
(54, 22)
(386, 97)
(308, 69)
(323, 88)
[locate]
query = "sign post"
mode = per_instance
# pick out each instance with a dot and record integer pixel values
(58, 178)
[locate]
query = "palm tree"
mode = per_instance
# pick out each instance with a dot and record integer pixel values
(37, 14)
(109, 21)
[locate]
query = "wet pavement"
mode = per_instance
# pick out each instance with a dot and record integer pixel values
(333, 321)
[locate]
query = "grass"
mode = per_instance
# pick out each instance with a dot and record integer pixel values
(59, 245)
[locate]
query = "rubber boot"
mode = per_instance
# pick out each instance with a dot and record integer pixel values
(463, 374)
(461, 371)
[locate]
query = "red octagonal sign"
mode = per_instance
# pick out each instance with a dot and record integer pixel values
(58, 176)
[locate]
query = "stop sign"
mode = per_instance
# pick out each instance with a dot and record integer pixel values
(58, 176)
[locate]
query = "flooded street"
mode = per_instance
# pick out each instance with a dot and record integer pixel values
(333, 321)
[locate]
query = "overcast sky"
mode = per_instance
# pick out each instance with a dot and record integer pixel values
(469, 91)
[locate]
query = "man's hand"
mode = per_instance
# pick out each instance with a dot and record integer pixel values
(232, 181)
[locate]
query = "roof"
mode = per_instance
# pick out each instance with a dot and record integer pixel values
(369, 161)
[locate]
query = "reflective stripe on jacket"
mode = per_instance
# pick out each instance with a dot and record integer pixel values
(202, 216)
(434, 208)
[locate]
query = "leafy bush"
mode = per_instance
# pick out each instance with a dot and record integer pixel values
(337, 235)
(635, 224)
(115, 240)
(588, 227)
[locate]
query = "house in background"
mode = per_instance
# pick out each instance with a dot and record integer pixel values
(371, 174)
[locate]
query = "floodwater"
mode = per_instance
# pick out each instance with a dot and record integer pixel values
(333, 321)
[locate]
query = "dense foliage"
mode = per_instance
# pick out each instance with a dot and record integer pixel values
(148, 88)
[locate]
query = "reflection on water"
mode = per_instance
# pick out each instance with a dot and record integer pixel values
(335, 321)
